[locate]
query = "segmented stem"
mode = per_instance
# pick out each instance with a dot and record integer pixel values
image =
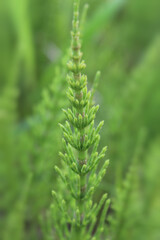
(76, 56)
(79, 135)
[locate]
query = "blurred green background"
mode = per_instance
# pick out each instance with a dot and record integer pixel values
(121, 38)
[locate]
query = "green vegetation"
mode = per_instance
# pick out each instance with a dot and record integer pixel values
(79, 174)
(39, 90)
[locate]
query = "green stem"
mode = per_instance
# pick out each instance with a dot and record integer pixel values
(81, 155)
(82, 161)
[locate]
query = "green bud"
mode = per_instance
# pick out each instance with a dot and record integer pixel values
(84, 168)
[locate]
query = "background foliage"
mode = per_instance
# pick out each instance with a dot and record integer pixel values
(121, 38)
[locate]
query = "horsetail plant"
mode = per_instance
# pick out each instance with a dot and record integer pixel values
(76, 216)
